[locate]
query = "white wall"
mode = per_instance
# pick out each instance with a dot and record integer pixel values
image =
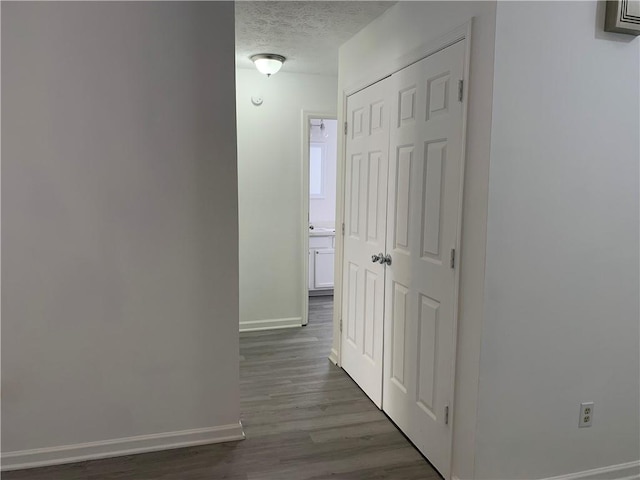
(322, 211)
(561, 310)
(270, 188)
(401, 29)
(120, 255)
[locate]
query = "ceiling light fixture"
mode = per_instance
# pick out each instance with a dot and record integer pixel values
(268, 63)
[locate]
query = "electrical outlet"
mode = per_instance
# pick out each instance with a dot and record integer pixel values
(586, 414)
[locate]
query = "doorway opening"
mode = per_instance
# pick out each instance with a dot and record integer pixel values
(320, 145)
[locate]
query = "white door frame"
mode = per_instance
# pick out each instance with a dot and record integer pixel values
(463, 32)
(306, 140)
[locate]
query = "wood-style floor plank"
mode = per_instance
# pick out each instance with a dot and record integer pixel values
(304, 418)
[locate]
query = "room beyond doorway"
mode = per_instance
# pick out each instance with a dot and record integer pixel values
(320, 137)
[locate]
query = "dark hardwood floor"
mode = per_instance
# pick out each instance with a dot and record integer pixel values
(304, 419)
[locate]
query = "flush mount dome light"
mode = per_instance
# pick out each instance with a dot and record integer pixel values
(268, 63)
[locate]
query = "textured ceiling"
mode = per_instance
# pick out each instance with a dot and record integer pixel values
(307, 33)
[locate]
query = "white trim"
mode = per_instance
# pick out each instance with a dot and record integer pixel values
(466, 32)
(322, 292)
(334, 357)
(622, 471)
(339, 238)
(270, 324)
(306, 140)
(117, 447)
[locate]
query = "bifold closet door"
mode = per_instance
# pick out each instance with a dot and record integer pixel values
(367, 147)
(425, 187)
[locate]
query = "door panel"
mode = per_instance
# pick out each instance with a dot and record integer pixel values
(367, 148)
(423, 213)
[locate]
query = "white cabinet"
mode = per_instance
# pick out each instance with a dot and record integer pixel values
(323, 268)
(321, 256)
(321, 241)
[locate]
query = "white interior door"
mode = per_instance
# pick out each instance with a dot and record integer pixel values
(367, 147)
(425, 186)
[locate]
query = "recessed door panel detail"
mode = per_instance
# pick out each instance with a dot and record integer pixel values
(357, 120)
(435, 156)
(352, 293)
(373, 195)
(403, 194)
(407, 102)
(354, 201)
(427, 353)
(438, 95)
(371, 313)
(398, 343)
(377, 116)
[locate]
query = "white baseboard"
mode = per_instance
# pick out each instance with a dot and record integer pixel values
(323, 292)
(42, 457)
(333, 357)
(270, 324)
(623, 471)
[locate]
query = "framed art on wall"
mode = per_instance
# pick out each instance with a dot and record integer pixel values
(623, 16)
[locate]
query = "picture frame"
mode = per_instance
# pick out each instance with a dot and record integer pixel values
(622, 16)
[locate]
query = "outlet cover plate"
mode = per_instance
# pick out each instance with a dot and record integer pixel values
(586, 414)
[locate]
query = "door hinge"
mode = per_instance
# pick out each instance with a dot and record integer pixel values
(340, 325)
(446, 415)
(460, 89)
(345, 128)
(452, 260)
(342, 228)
